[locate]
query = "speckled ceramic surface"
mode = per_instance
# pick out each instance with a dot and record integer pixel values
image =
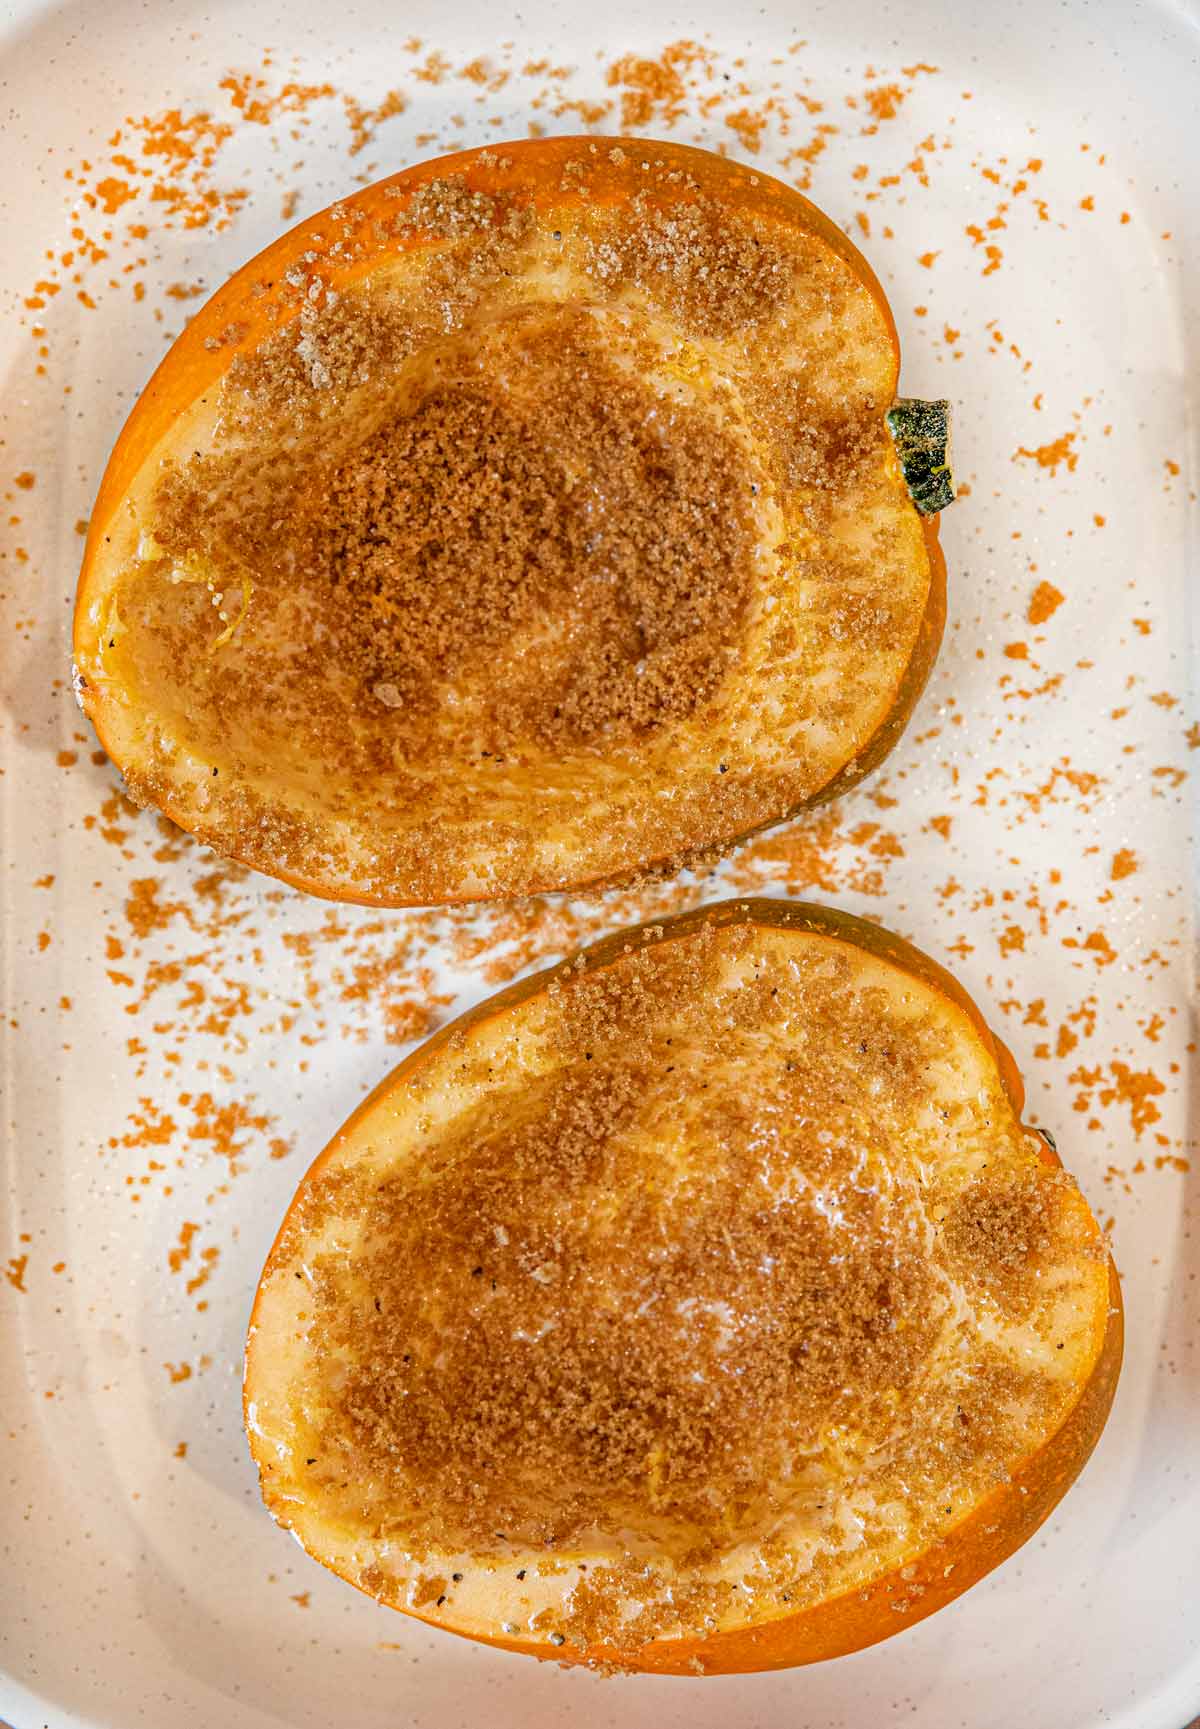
(180, 1039)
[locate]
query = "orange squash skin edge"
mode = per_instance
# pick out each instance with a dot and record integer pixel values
(993, 1530)
(533, 165)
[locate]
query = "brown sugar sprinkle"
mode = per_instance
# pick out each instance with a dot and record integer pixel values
(714, 270)
(448, 208)
(996, 1236)
(512, 1334)
(462, 522)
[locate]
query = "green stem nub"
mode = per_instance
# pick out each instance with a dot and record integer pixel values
(921, 434)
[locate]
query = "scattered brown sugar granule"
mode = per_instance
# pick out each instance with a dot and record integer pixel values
(994, 1236)
(714, 270)
(448, 208)
(827, 436)
(633, 1292)
(337, 344)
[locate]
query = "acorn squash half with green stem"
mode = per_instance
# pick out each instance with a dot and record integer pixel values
(539, 515)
